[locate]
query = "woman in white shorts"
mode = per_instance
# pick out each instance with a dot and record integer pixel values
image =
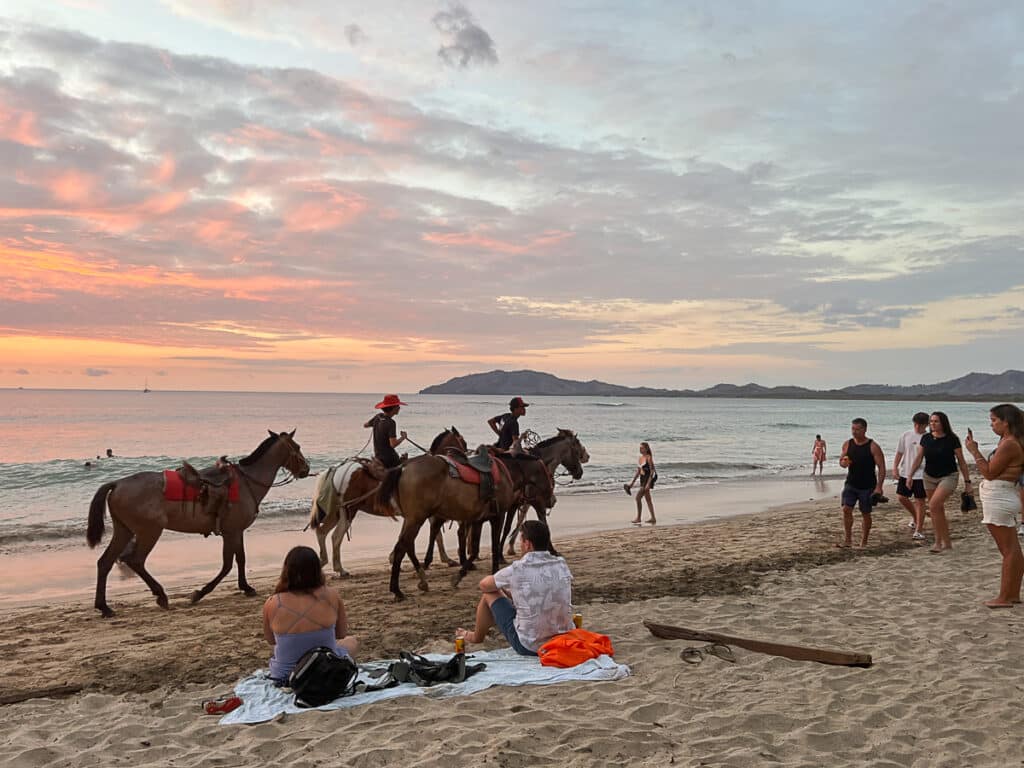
(1000, 497)
(941, 455)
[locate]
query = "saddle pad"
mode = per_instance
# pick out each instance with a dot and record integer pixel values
(467, 474)
(176, 490)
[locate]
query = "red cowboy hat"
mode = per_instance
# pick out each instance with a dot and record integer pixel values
(389, 401)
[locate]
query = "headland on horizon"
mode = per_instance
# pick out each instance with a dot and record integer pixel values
(1008, 385)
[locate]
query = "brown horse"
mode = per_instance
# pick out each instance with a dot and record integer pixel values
(140, 514)
(355, 489)
(565, 450)
(424, 488)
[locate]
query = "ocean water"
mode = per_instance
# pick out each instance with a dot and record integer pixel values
(45, 488)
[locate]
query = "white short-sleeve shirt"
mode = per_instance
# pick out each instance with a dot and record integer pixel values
(541, 588)
(908, 444)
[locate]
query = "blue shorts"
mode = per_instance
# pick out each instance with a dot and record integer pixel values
(505, 619)
(860, 497)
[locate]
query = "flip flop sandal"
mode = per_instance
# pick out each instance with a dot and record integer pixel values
(724, 652)
(691, 655)
(627, 489)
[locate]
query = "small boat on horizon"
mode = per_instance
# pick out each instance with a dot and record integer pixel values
(145, 387)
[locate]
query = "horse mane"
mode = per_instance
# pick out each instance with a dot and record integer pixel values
(437, 440)
(551, 440)
(261, 449)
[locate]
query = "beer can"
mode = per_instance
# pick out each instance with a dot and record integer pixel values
(577, 619)
(460, 645)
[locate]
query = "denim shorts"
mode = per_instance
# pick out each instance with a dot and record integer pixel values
(505, 619)
(858, 497)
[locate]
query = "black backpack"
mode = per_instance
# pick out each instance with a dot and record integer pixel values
(413, 668)
(320, 676)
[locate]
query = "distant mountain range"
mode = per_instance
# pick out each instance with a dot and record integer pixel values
(1008, 385)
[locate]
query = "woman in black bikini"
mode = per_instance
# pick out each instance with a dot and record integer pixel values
(648, 476)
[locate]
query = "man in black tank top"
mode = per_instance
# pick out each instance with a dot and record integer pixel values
(865, 474)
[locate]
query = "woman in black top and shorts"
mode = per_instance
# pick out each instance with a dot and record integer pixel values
(941, 453)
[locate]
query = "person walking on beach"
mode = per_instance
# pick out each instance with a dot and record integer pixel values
(648, 476)
(304, 614)
(818, 454)
(865, 475)
(506, 426)
(530, 601)
(940, 452)
(385, 435)
(910, 488)
(1000, 496)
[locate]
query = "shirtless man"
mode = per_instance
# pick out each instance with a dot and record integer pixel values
(865, 475)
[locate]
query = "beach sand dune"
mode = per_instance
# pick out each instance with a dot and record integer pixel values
(944, 689)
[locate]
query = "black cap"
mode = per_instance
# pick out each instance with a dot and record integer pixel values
(517, 402)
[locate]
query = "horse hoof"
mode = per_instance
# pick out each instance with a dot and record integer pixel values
(470, 566)
(197, 596)
(162, 602)
(452, 564)
(105, 612)
(423, 586)
(342, 574)
(399, 597)
(249, 591)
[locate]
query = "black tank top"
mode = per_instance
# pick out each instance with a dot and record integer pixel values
(861, 474)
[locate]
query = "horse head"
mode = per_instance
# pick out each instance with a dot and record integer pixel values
(450, 438)
(576, 455)
(295, 462)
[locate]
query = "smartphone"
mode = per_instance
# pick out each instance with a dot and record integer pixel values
(970, 434)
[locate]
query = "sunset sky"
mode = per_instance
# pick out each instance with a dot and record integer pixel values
(317, 195)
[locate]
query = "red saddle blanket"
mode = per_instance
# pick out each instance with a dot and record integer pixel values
(176, 490)
(467, 474)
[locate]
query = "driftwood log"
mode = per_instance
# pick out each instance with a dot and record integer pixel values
(796, 652)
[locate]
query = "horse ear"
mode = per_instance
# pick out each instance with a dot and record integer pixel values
(291, 434)
(272, 433)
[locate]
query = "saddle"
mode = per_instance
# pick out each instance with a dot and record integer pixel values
(376, 467)
(478, 468)
(212, 488)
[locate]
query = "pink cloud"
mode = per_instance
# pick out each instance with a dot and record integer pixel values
(481, 241)
(19, 126)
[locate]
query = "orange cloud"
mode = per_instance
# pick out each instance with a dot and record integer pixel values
(19, 126)
(331, 210)
(165, 170)
(477, 240)
(74, 187)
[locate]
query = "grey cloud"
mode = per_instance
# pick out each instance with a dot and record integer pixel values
(22, 372)
(355, 35)
(466, 42)
(96, 372)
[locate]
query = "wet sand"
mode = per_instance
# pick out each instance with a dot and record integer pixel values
(943, 689)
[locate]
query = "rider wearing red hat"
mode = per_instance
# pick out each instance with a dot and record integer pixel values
(385, 439)
(506, 425)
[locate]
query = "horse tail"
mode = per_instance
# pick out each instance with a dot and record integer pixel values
(388, 488)
(94, 532)
(316, 513)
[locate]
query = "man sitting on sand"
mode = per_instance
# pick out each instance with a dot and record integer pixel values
(530, 601)
(862, 458)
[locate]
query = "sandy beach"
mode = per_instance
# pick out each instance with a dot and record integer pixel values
(943, 691)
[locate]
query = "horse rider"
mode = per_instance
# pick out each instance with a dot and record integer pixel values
(385, 435)
(506, 426)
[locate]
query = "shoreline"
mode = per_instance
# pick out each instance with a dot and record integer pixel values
(46, 572)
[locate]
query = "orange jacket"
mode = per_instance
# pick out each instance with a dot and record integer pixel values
(574, 647)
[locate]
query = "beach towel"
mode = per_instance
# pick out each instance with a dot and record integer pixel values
(262, 700)
(574, 647)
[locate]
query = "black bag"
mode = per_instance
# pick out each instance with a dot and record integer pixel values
(967, 502)
(413, 668)
(320, 676)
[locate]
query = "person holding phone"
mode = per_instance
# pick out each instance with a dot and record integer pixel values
(1000, 497)
(941, 454)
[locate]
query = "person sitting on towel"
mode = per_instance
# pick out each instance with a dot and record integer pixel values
(303, 614)
(530, 601)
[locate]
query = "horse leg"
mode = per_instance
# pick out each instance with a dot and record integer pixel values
(118, 541)
(406, 546)
(336, 539)
(321, 537)
(227, 555)
(144, 543)
(396, 565)
(473, 545)
(441, 552)
(520, 517)
(496, 557)
(435, 526)
(243, 583)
